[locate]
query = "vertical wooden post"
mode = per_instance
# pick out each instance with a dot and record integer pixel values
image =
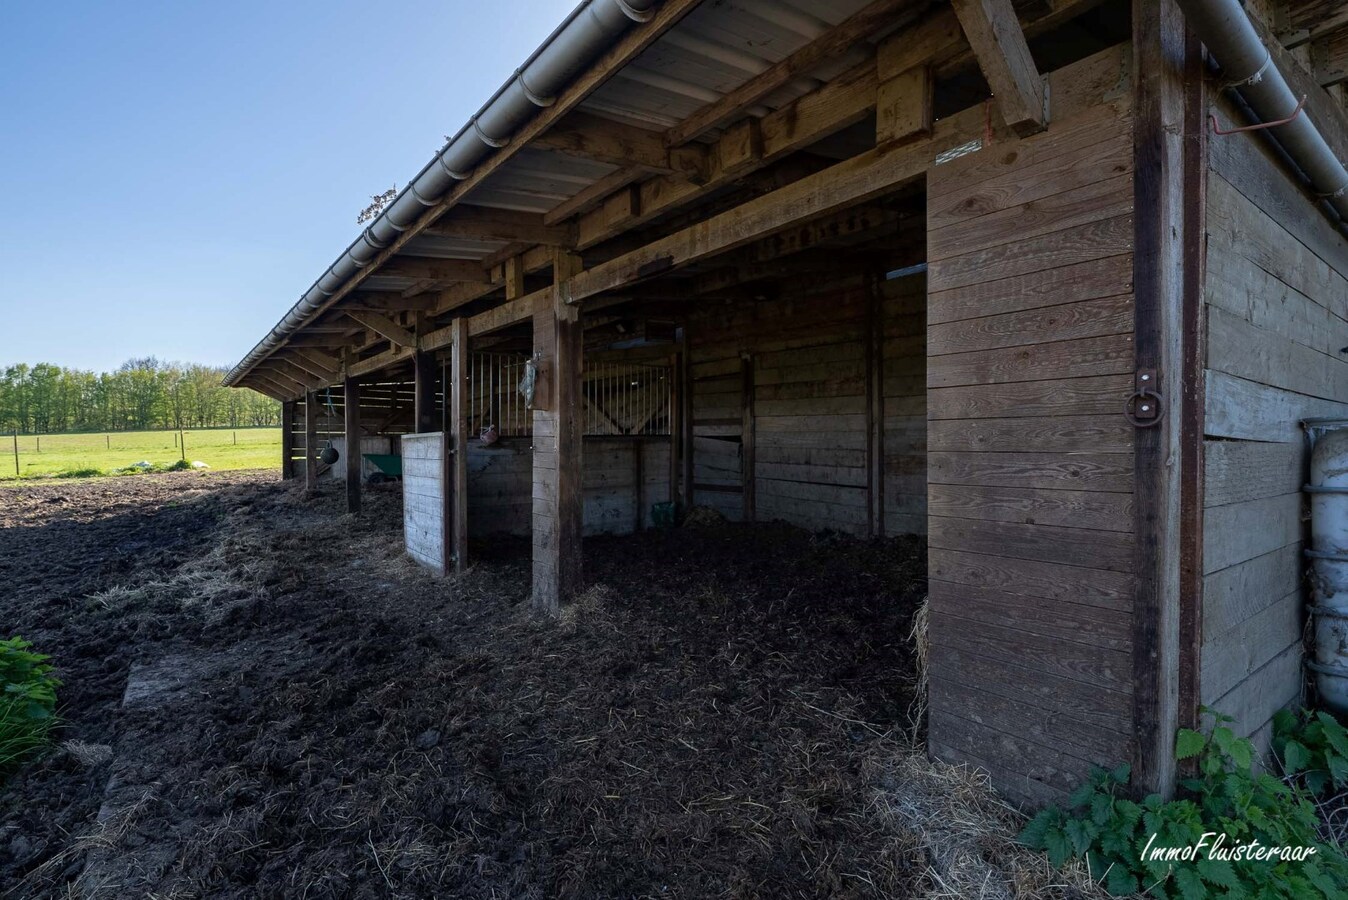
(748, 470)
(1194, 404)
(287, 439)
(311, 440)
(685, 435)
(1159, 48)
(351, 415)
(16, 453)
(558, 503)
(875, 404)
(423, 399)
(639, 487)
(456, 449)
(675, 422)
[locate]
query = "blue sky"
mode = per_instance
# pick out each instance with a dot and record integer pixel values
(175, 174)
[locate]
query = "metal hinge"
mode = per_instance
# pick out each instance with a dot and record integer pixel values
(1144, 406)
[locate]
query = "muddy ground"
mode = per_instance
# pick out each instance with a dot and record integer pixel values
(311, 715)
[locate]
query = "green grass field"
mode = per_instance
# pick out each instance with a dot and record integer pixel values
(89, 455)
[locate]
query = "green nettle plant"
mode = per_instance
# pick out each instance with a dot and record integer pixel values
(27, 702)
(1221, 812)
(1313, 749)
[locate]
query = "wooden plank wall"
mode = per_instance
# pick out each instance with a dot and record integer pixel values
(904, 385)
(1277, 319)
(1030, 320)
(499, 480)
(424, 498)
(807, 349)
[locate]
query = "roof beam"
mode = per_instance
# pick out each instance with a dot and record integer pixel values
(853, 181)
(483, 223)
(588, 198)
(384, 327)
(275, 375)
(999, 44)
(260, 382)
(838, 104)
(434, 269)
(378, 361)
(839, 39)
(389, 301)
(607, 141)
(283, 365)
(320, 359)
(303, 361)
(629, 47)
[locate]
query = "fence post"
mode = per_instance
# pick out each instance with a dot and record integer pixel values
(16, 453)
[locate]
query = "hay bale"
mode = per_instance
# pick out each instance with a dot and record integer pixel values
(968, 835)
(702, 517)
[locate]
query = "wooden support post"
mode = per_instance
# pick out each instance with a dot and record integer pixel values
(639, 487)
(1193, 408)
(748, 473)
(287, 439)
(675, 422)
(351, 414)
(1159, 48)
(994, 33)
(423, 375)
(685, 434)
(558, 510)
(456, 449)
(904, 107)
(311, 440)
(875, 405)
(514, 277)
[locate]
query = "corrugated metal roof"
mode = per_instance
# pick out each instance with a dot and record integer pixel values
(709, 53)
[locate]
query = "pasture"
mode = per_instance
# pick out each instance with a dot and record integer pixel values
(92, 455)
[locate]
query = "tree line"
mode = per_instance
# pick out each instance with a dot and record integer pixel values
(142, 394)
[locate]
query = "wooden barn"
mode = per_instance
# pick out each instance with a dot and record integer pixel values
(1050, 282)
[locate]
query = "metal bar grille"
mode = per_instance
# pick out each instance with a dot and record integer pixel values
(618, 398)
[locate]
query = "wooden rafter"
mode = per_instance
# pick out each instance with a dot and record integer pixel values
(628, 48)
(434, 269)
(389, 301)
(384, 327)
(282, 366)
(594, 195)
(287, 387)
(842, 102)
(998, 43)
(853, 181)
(484, 223)
(836, 40)
(308, 365)
(604, 140)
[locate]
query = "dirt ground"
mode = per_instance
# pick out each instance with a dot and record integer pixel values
(264, 697)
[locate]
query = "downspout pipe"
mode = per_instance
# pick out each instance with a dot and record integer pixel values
(1249, 68)
(590, 30)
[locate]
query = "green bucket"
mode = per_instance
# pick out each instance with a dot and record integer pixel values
(662, 514)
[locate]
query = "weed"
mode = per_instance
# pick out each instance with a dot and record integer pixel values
(1225, 799)
(27, 702)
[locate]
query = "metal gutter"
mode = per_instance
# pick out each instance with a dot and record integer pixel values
(587, 32)
(1249, 68)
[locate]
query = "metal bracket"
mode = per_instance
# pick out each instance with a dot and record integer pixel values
(1143, 408)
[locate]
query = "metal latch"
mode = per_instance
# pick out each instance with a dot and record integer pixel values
(1144, 406)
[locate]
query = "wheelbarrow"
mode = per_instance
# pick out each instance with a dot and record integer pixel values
(390, 467)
